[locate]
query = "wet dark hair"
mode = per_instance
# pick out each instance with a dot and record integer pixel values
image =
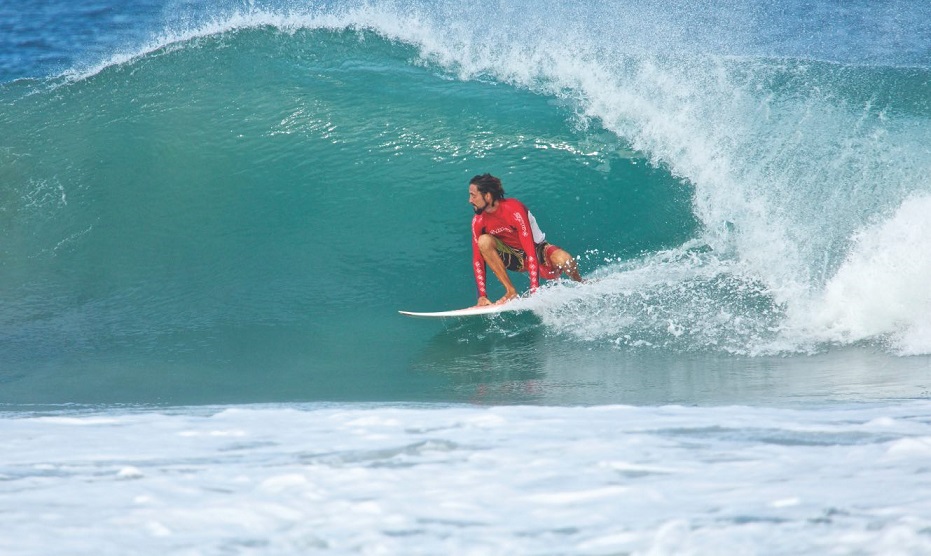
(486, 183)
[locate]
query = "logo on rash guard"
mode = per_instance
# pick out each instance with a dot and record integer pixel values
(523, 225)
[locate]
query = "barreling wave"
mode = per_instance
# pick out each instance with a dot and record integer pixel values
(294, 174)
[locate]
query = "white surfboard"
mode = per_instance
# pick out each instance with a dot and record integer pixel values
(468, 312)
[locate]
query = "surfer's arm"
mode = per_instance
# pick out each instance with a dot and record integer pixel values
(478, 267)
(528, 246)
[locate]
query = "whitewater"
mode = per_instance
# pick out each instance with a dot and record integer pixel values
(467, 480)
(210, 215)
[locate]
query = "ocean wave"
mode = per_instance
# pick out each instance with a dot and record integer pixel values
(301, 160)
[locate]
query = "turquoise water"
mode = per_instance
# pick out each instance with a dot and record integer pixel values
(208, 224)
(235, 212)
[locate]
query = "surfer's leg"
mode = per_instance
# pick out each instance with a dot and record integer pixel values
(561, 260)
(488, 246)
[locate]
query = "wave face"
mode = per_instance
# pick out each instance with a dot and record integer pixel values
(234, 209)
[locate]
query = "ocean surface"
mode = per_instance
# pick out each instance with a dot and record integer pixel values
(211, 212)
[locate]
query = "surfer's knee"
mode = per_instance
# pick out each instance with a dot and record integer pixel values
(560, 258)
(565, 263)
(487, 243)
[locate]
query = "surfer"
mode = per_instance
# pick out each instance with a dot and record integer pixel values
(506, 237)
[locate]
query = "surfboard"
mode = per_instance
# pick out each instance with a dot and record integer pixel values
(467, 312)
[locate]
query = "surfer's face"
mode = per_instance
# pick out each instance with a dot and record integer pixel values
(478, 201)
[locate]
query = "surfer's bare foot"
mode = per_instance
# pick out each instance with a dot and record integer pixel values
(483, 301)
(507, 297)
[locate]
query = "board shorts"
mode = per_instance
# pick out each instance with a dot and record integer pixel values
(514, 258)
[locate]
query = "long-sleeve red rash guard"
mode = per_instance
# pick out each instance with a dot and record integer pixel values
(511, 224)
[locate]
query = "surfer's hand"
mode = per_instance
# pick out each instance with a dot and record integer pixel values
(482, 301)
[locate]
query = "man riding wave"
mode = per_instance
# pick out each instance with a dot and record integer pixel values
(505, 236)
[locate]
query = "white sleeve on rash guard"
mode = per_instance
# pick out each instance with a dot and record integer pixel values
(538, 235)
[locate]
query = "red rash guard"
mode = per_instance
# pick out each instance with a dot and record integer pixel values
(511, 224)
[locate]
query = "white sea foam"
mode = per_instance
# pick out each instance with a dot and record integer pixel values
(505, 480)
(883, 289)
